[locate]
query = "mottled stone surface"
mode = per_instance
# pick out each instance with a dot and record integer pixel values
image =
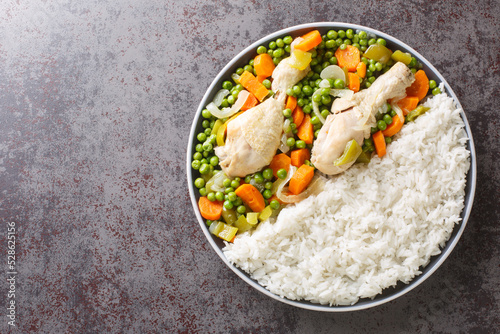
(96, 102)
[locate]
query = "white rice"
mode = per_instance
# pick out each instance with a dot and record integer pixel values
(373, 225)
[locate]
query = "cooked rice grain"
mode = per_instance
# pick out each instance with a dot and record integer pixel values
(373, 225)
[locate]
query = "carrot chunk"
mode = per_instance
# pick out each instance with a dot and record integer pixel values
(310, 40)
(291, 102)
(263, 65)
(251, 196)
(408, 104)
(348, 58)
(210, 210)
(301, 179)
(250, 102)
(298, 115)
(250, 82)
(361, 69)
(354, 83)
(379, 142)
(305, 130)
(419, 87)
(280, 161)
(299, 156)
(394, 127)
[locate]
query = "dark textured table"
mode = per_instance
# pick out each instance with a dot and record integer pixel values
(96, 103)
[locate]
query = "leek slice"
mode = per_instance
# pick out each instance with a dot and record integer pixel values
(351, 153)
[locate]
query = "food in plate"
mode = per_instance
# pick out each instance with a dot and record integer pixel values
(297, 172)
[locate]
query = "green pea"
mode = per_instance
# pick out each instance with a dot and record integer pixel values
(296, 90)
(371, 79)
(288, 48)
(324, 113)
(239, 70)
(362, 34)
(258, 177)
(321, 45)
(224, 103)
(272, 45)
(227, 85)
(280, 43)
(326, 99)
(343, 46)
(268, 185)
(197, 156)
(333, 60)
(237, 202)
(228, 204)
(207, 146)
(235, 184)
(381, 41)
(330, 44)
(355, 38)
(287, 112)
(248, 68)
(219, 196)
(300, 144)
(261, 49)
(204, 161)
(201, 136)
(206, 154)
(288, 39)
(207, 131)
(378, 66)
(372, 67)
(226, 183)
(231, 196)
(388, 140)
(349, 33)
(278, 53)
(203, 191)
(307, 90)
(267, 194)
(373, 130)
(206, 113)
(282, 173)
(341, 33)
(436, 91)
(276, 60)
(331, 34)
(356, 45)
(413, 70)
(316, 133)
(339, 41)
(205, 124)
(347, 42)
(228, 190)
(248, 178)
(270, 52)
(275, 205)
(339, 84)
(372, 41)
(393, 113)
(413, 62)
(196, 164)
(290, 142)
(267, 173)
(211, 196)
(204, 169)
(214, 161)
(231, 99)
(387, 119)
(241, 209)
(267, 83)
(363, 42)
(432, 84)
(381, 125)
(368, 142)
(307, 109)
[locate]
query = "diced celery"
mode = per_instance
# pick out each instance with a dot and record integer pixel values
(242, 224)
(228, 232)
(300, 59)
(405, 58)
(216, 227)
(252, 218)
(378, 52)
(364, 157)
(351, 153)
(266, 213)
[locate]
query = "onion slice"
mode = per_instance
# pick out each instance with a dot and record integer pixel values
(219, 96)
(342, 93)
(227, 112)
(283, 146)
(333, 72)
(397, 109)
(279, 184)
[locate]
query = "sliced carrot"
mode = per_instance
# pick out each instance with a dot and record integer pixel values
(420, 86)
(210, 210)
(263, 65)
(301, 179)
(408, 104)
(251, 196)
(394, 127)
(250, 102)
(298, 116)
(379, 142)
(305, 130)
(291, 102)
(299, 156)
(349, 57)
(361, 69)
(309, 41)
(250, 82)
(280, 161)
(354, 82)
